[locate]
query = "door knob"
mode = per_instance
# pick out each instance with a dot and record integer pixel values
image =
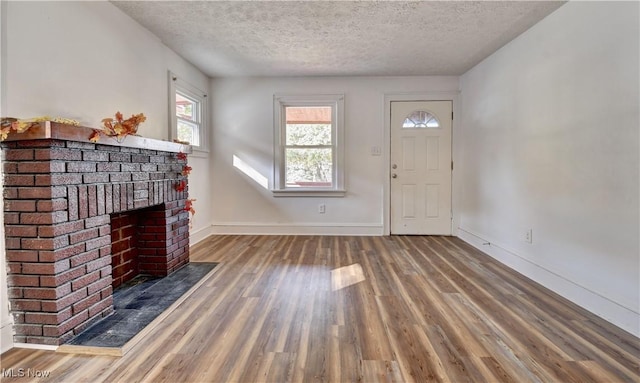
(394, 166)
(394, 175)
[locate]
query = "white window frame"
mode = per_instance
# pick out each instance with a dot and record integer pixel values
(176, 84)
(336, 102)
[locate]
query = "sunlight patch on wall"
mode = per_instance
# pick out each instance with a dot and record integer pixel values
(346, 276)
(250, 172)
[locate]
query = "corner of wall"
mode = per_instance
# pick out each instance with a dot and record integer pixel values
(6, 337)
(200, 234)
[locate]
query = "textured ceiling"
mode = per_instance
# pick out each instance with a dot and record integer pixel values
(335, 38)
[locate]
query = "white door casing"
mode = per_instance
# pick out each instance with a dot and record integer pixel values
(420, 201)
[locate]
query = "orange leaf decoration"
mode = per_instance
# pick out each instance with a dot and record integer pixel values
(186, 170)
(4, 133)
(95, 136)
(107, 123)
(188, 206)
(181, 156)
(121, 128)
(9, 124)
(180, 186)
(23, 126)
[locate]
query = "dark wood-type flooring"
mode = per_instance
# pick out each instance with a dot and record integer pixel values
(359, 309)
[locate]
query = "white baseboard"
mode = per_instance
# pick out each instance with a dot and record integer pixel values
(6, 334)
(245, 228)
(200, 234)
(603, 307)
(34, 346)
(6, 337)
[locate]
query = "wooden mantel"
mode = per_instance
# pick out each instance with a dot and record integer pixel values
(53, 130)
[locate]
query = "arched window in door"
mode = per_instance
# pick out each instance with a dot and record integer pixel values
(421, 119)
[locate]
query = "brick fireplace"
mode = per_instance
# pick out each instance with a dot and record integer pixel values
(65, 200)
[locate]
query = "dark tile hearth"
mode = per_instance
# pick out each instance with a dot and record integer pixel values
(137, 303)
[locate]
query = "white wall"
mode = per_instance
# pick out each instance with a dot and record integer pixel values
(87, 60)
(243, 127)
(551, 143)
(6, 331)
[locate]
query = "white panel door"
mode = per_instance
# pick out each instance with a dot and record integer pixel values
(421, 167)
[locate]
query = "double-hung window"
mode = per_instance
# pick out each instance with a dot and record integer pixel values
(188, 119)
(309, 145)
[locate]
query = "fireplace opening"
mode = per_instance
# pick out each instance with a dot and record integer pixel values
(124, 247)
(140, 240)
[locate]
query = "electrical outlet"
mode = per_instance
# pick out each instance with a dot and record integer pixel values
(528, 236)
(322, 208)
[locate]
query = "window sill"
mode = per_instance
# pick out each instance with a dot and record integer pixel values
(308, 193)
(196, 152)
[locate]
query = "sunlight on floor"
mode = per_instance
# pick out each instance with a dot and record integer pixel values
(346, 276)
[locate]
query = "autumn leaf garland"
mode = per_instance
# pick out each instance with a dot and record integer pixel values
(118, 128)
(188, 206)
(181, 185)
(8, 124)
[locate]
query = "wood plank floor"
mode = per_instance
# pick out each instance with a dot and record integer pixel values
(359, 309)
